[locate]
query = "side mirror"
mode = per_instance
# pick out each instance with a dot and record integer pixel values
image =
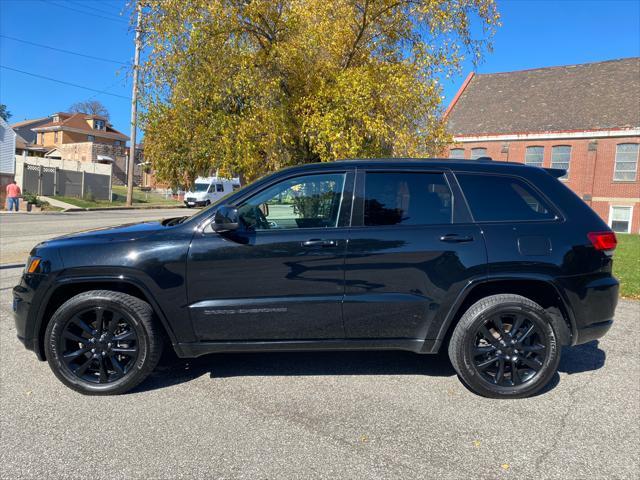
(226, 219)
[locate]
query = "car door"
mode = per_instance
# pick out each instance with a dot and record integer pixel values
(412, 248)
(281, 275)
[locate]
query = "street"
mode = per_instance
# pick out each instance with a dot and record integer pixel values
(19, 233)
(311, 415)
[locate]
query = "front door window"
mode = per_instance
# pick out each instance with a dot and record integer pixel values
(310, 201)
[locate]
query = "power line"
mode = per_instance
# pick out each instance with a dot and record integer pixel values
(105, 90)
(63, 50)
(93, 7)
(63, 82)
(85, 12)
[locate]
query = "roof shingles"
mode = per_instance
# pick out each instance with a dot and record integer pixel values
(593, 96)
(79, 121)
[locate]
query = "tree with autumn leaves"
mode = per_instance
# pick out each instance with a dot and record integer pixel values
(251, 86)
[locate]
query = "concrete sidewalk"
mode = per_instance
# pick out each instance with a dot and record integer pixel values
(56, 203)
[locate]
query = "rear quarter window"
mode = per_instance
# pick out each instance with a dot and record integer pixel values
(497, 198)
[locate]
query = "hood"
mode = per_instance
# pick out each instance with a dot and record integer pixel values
(195, 194)
(127, 232)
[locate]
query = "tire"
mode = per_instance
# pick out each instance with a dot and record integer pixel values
(496, 362)
(102, 342)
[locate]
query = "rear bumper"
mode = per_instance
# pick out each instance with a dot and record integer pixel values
(593, 302)
(592, 332)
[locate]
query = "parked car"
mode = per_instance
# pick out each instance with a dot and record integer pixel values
(207, 190)
(498, 264)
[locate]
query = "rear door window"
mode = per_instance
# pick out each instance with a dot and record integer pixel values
(406, 198)
(495, 198)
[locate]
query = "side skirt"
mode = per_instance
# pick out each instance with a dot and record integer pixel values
(190, 350)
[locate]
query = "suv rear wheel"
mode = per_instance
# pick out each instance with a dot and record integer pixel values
(103, 342)
(505, 346)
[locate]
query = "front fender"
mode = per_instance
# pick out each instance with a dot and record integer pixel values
(164, 301)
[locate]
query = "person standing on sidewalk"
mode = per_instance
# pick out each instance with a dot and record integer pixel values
(13, 196)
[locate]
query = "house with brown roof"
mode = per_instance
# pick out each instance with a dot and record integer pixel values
(582, 118)
(76, 136)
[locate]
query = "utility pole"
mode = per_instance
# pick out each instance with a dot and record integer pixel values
(134, 109)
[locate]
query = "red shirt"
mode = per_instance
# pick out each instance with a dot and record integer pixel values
(13, 190)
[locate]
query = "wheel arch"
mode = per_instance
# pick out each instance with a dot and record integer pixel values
(539, 289)
(65, 288)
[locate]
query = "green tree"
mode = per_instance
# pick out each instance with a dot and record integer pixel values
(252, 86)
(4, 113)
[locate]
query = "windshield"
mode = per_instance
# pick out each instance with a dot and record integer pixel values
(201, 187)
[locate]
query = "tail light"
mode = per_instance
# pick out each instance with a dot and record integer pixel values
(603, 240)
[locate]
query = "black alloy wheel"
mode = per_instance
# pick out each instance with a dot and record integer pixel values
(505, 346)
(99, 345)
(509, 349)
(102, 342)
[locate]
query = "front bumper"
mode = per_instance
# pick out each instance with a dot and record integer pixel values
(195, 203)
(25, 306)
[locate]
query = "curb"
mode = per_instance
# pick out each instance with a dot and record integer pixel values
(8, 266)
(100, 209)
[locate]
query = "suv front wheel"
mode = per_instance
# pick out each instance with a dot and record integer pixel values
(505, 346)
(103, 342)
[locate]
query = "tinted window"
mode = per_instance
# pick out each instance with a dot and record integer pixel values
(407, 199)
(310, 201)
(219, 187)
(498, 198)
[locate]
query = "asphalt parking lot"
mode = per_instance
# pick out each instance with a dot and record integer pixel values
(316, 415)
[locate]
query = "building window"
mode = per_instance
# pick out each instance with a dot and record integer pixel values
(626, 162)
(98, 124)
(478, 152)
(91, 138)
(456, 153)
(620, 218)
(534, 156)
(560, 158)
(55, 137)
(116, 143)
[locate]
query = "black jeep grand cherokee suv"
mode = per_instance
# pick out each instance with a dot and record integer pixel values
(499, 263)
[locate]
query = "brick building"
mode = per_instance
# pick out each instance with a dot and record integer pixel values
(583, 118)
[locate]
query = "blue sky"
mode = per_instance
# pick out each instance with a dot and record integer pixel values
(535, 33)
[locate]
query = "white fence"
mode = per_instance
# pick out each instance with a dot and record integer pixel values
(47, 176)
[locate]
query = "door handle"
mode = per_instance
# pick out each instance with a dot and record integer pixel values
(316, 242)
(455, 238)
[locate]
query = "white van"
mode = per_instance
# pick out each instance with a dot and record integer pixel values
(207, 190)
